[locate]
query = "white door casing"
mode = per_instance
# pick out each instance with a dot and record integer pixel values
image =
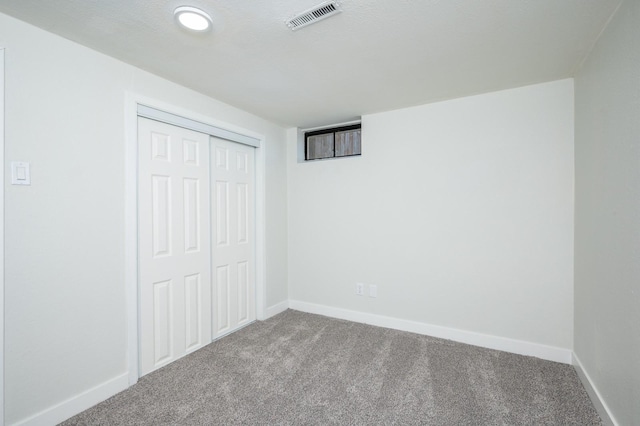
(174, 244)
(233, 235)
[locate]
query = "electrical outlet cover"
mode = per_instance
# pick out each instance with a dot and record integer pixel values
(373, 290)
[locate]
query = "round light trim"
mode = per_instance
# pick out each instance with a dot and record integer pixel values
(193, 18)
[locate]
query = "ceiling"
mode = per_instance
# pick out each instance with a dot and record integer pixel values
(377, 55)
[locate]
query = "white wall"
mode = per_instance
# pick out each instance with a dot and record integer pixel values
(607, 224)
(461, 212)
(66, 328)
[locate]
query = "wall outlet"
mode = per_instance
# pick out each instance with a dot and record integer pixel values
(373, 290)
(360, 289)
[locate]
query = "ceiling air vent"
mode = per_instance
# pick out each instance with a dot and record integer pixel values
(313, 15)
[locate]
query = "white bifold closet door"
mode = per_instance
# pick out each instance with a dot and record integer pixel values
(233, 245)
(196, 215)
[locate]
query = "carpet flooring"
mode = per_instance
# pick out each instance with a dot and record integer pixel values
(303, 369)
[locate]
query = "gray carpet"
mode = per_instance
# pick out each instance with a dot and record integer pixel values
(298, 368)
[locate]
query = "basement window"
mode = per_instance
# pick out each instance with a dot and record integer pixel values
(333, 143)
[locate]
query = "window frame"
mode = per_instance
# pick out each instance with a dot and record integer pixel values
(331, 130)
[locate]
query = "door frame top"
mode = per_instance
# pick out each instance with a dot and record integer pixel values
(163, 111)
(195, 125)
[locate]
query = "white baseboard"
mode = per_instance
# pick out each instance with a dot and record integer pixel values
(520, 347)
(77, 404)
(594, 395)
(277, 308)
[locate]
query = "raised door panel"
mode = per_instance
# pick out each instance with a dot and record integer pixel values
(161, 215)
(162, 322)
(221, 213)
(222, 308)
(193, 310)
(192, 217)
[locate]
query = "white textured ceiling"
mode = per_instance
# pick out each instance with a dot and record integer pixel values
(377, 55)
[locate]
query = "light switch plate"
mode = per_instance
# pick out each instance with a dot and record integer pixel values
(20, 173)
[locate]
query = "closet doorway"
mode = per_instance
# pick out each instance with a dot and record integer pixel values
(196, 240)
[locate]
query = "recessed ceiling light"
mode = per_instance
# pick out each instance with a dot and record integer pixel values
(193, 18)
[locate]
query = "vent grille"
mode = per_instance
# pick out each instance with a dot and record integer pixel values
(313, 15)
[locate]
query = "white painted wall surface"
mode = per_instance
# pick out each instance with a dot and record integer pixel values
(2, 235)
(461, 212)
(65, 311)
(607, 224)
